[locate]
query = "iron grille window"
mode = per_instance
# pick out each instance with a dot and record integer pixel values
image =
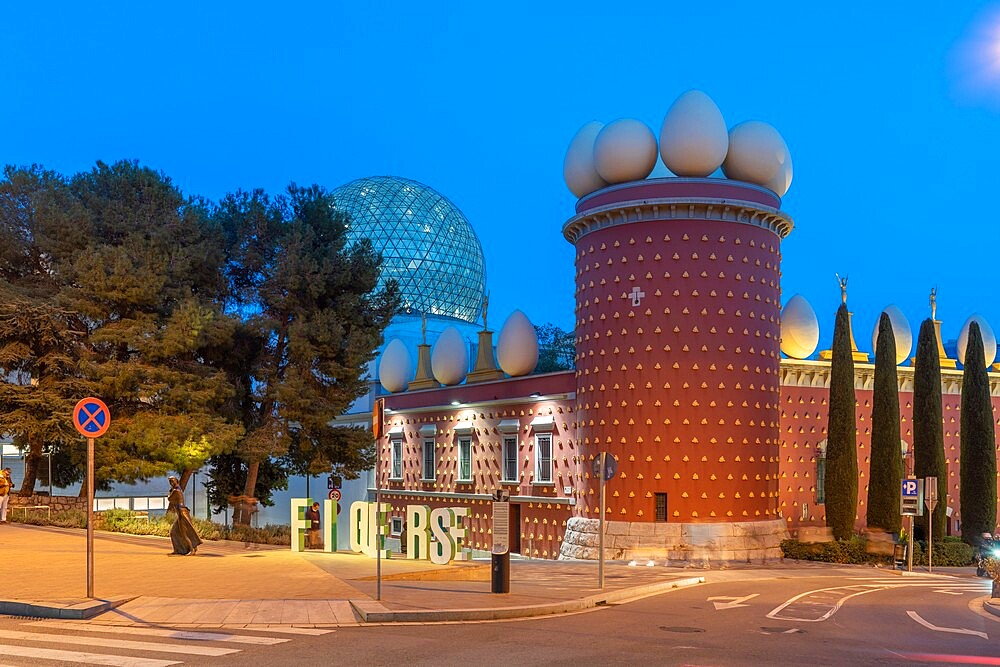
(543, 457)
(510, 459)
(428, 472)
(661, 506)
(465, 459)
(397, 459)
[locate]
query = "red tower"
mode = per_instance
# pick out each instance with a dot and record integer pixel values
(677, 325)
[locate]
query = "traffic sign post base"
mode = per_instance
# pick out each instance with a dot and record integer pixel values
(500, 573)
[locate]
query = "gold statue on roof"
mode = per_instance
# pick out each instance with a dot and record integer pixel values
(843, 287)
(486, 306)
(934, 303)
(423, 327)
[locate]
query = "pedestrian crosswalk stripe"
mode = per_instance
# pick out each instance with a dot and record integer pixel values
(118, 643)
(84, 658)
(160, 632)
(287, 629)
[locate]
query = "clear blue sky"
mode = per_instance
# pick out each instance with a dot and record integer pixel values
(891, 119)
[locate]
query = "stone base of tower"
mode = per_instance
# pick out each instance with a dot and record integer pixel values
(678, 543)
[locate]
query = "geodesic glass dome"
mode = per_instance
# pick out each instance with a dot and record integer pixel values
(427, 244)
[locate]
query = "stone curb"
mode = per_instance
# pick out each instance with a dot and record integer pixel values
(77, 611)
(992, 607)
(375, 612)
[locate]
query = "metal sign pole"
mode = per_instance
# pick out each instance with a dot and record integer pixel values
(909, 548)
(90, 517)
(930, 541)
(600, 530)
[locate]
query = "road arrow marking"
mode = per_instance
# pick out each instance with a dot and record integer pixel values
(948, 592)
(733, 603)
(959, 631)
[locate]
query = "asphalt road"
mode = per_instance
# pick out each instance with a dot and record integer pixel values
(857, 617)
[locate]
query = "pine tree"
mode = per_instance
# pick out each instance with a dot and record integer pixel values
(42, 343)
(886, 469)
(928, 425)
(978, 468)
(313, 319)
(841, 489)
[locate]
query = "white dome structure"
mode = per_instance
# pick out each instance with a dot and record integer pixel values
(450, 357)
(757, 154)
(517, 345)
(624, 151)
(989, 339)
(578, 166)
(799, 328)
(693, 139)
(901, 332)
(395, 368)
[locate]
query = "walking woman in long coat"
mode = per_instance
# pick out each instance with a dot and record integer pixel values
(182, 534)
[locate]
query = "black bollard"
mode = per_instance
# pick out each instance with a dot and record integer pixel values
(500, 580)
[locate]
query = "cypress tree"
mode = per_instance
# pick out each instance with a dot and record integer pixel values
(841, 488)
(978, 468)
(928, 425)
(886, 470)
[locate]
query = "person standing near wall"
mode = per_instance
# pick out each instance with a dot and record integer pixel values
(5, 487)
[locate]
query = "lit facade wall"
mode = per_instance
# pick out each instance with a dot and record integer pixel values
(489, 414)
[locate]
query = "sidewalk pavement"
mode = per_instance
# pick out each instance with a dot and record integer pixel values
(43, 574)
(136, 582)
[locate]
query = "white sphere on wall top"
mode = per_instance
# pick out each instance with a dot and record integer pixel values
(799, 328)
(450, 357)
(517, 345)
(757, 154)
(901, 332)
(693, 139)
(395, 368)
(578, 166)
(625, 150)
(989, 339)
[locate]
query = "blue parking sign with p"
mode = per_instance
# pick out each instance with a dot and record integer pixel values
(911, 487)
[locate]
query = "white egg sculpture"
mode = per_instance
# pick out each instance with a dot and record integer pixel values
(901, 332)
(517, 345)
(395, 368)
(450, 357)
(693, 139)
(578, 166)
(660, 171)
(799, 328)
(989, 339)
(625, 150)
(757, 154)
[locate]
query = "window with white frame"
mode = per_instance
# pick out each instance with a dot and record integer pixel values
(396, 452)
(465, 459)
(428, 471)
(510, 458)
(543, 458)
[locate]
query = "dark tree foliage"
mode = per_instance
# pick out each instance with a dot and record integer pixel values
(928, 426)
(841, 488)
(978, 468)
(886, 469)
(42, 343)
(556, 349)
(112, 286)
(227, 478)
(311, 319)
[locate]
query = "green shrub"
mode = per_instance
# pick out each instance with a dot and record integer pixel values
(852, 552)
(62, 519)
(124, 521)
(946, 554)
